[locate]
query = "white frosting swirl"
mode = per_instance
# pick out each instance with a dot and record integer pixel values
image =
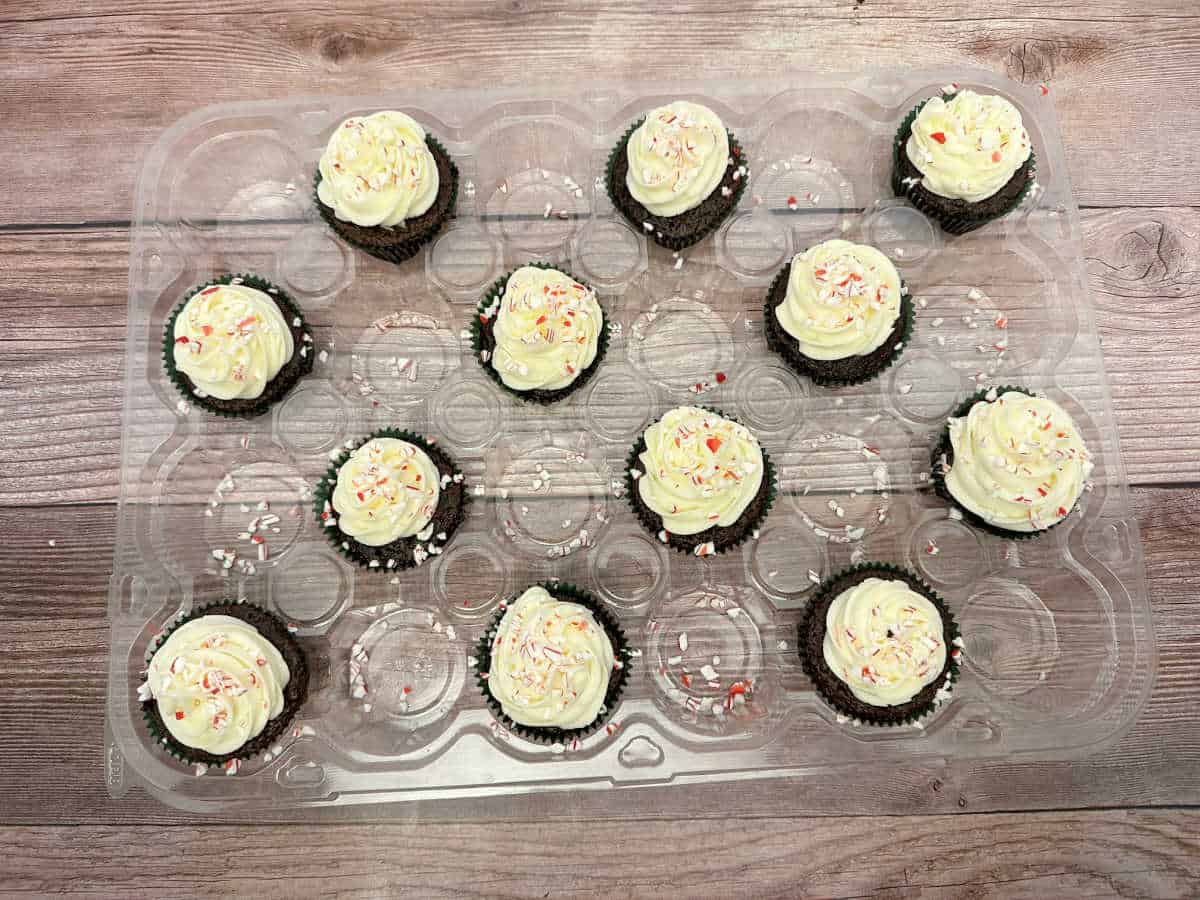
(387, 489)
(378, 170)
(231, 340)
(968, 147)
(547, 329)
(884, 640)
(217, 683)
(1019, 462)
(842, 300)
(677, 157)
(551, 661)
(699, 470)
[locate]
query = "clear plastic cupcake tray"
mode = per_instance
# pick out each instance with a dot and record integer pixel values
(1059, 651)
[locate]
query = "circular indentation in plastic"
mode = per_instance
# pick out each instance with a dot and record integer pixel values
(556, 502)
(312, 418)
(467, 413)
(902, 232)
(923, 388)
(537, 208)
(313, 588)
(754, 243)
(464, 259)
(469, 579)
(315, 264)
(608, 252)
(787, 561)
(770, 398)
(947, 552)
(705, 659)
(403, 363)
(618, 404)
(1011, 639)
(251, 519)
(842, 489)
(680, 343)
(409, 666)
(629, 569)
(807, 196)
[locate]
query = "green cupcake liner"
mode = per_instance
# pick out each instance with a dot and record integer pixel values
(275, 630)
(484, 320)
(406, 552)
(930, 205)
(943, 447)
(687, 543)
(638, 215)
(285, 379)
(616, 683)
(779, 341)
(397, 251)
(821, 676)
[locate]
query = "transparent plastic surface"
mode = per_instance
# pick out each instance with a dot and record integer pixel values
(1059, 650)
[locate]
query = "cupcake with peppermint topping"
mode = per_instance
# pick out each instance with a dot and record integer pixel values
(677, 173)
(1013, 463)
(390, 500)
(879, 645)
(963, 159)
(222, 684)
(698, 481)
(553, 663)
(236, 344)
(385, 185)
(540, 333)
(838, 313)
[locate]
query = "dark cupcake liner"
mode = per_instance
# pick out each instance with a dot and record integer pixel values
(616, 682)
(835, 372)
(402, 552)
(944, 447)
(301, 363)
(722, 538)
(483, 338)
(397, 245)
(835, 692)
(275, 630)
(672, 231)
(953, 215)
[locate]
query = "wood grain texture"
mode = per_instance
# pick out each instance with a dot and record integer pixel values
(933, 857)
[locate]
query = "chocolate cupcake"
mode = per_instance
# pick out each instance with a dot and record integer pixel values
(236, 344)
(699, 481)
(838, 313)
(879, 645)
(222, 685)
(540, 333)
(963, 159)
(384, 185)
(552, 664)
(390, 500)
(677, 174)
(1014, 464)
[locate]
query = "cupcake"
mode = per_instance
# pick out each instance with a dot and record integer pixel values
(879, 645)
(385, 185)
(676, 174)
(838, 313)
(552, 664)
(222, 684)
(236, 344)
(698, 481)
(963, 159)
(540, 333)
(391, 500)
(1013, 463)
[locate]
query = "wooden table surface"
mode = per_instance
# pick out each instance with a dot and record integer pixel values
(87, 86)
